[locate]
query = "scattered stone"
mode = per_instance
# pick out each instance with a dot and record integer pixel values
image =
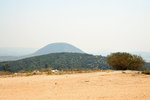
(15, 73)
(87, 81)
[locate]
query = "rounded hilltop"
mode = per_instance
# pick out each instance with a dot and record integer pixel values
(58, 47)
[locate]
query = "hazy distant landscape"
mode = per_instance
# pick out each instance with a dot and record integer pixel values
(74, 50)
(9, 54)
(57, 56)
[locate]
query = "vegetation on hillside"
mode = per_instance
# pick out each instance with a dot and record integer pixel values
(147, 66)
(56, 61)
(125, 61)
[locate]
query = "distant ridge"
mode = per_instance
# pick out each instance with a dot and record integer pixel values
(57, 48)
(57, 61)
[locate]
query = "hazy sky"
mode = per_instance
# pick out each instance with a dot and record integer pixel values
(91, 25)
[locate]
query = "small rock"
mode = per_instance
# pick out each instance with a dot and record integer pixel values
(87, 81)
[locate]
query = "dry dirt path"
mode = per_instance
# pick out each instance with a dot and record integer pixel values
(86, 86)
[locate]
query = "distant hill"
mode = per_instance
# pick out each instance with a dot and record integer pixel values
(15, 51)
(8, 58)
(57, 48)
(57, 61)
(12, 54)
(147, 66)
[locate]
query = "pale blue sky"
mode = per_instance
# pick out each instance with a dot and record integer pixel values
(91, 25)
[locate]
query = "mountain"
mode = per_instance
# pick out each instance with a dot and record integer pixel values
(12, 54)
(57, 48)
(57, 61)
(8, 58)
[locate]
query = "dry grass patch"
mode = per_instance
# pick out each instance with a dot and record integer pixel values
(147, 72)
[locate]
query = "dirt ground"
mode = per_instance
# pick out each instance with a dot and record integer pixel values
(114, 85)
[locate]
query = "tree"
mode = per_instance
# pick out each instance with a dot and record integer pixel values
(125, 61)
(46, 66)
(6, 68)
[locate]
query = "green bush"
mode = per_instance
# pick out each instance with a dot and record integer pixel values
(125, 61)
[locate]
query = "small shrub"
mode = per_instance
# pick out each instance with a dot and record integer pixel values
(49, 73)
(22, 71)
(138, 72)
(29, 74)
(147, 72)
(123, 72)
(5, 73)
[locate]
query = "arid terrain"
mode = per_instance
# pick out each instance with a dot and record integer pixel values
(109, 85)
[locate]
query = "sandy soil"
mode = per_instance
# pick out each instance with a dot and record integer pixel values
(86, 86)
